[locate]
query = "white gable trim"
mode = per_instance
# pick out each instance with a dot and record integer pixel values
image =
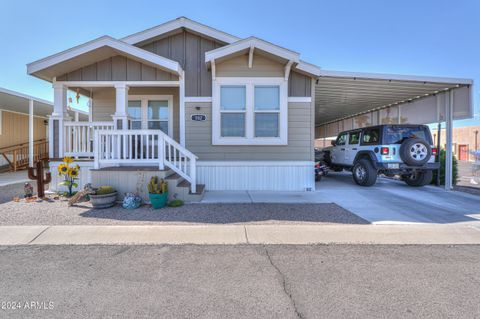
(308, 68)
(126, 48)
(178, 23)
(249, 43)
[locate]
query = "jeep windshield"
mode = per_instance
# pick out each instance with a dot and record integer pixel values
(398, 134)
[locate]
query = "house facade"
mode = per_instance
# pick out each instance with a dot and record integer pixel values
(214, 111)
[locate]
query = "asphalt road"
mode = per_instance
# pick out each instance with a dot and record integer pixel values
(327, 281)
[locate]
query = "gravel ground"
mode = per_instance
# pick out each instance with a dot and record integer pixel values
(56, 212)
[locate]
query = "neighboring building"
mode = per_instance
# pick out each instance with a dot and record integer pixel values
(14, 128)
(465, 140)
(206, 107)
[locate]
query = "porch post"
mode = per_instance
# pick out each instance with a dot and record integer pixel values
(181, 116)
(449, 140)
(30, 133)
(120, 117)
(56, 120)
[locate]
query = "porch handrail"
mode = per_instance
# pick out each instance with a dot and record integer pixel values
(78, 136)
(113, 147)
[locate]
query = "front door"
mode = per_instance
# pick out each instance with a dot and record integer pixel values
(151, 112)
(352, 147)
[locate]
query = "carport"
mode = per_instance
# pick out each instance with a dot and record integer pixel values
(346, 100)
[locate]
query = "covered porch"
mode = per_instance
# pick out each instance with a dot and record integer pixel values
(136, 109)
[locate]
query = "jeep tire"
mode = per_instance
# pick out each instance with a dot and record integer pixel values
(415, 151)
(419, 178)
(364, 174)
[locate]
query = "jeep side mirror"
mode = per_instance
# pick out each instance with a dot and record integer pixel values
(333, 143)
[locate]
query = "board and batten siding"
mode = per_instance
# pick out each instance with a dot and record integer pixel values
(198, 138)
(188, 49)
(118, 68)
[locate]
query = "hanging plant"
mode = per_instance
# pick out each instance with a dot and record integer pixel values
(69, 173)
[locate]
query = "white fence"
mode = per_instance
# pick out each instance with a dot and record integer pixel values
(116, 147)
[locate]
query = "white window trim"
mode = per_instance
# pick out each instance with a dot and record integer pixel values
(144, 109)
(250, 138)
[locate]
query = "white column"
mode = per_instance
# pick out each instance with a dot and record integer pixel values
(90, 109)
(449, 140)
(182, 108)
(30, 133)
(59, 115)
(76, 116)
(121, 106)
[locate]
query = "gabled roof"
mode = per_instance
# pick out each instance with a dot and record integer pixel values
(252, 42)
(104, 47)
(178, 23)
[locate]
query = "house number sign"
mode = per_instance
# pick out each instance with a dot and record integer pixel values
(199, 117)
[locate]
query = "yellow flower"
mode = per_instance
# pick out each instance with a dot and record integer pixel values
(68, 159)
(62, 168)
(73, 172)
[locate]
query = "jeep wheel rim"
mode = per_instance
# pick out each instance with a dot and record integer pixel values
(360, 173)
(418, 151)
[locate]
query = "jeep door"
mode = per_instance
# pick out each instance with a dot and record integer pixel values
(338, 151)
(351, 148)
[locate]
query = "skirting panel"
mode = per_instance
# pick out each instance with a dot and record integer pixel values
(258, 175)
(84, 176)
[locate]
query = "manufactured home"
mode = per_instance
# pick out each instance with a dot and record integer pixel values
(208, 110)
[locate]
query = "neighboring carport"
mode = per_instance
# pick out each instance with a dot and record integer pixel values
(345, 101)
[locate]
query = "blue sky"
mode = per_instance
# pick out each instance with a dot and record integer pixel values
(429, 37)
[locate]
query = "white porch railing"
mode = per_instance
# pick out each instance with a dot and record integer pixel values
(113, 147)
(78, 137)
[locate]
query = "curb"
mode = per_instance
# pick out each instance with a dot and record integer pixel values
(241, 234)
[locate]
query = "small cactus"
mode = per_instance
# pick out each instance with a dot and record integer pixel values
(157, 186)
(41, 181)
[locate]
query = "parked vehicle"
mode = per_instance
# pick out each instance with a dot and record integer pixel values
(405, 149)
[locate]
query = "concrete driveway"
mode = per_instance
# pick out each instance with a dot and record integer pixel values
(387, 202)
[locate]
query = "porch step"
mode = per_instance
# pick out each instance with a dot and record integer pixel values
(187, 193)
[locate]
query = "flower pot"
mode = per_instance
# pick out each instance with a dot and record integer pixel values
(158, 200)
(103, 201)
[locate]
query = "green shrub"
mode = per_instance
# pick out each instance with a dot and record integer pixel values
(175, 203)
(104, 190)
(443, 155)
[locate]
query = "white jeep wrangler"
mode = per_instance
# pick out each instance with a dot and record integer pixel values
(406, 150)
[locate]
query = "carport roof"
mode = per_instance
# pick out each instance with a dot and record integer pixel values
(18, 102)
(340, 95)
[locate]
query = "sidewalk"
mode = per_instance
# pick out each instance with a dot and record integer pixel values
(240, 234)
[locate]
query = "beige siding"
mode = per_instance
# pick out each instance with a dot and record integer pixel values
(118, 68)
(104, 103)
(238, 66)
(15, 129)
(299, 148)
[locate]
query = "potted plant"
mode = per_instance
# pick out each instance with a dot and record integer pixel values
(158, 192)
(104, 197)
(69, 173)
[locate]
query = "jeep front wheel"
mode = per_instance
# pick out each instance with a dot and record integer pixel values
(364, 174)
(419, 178)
